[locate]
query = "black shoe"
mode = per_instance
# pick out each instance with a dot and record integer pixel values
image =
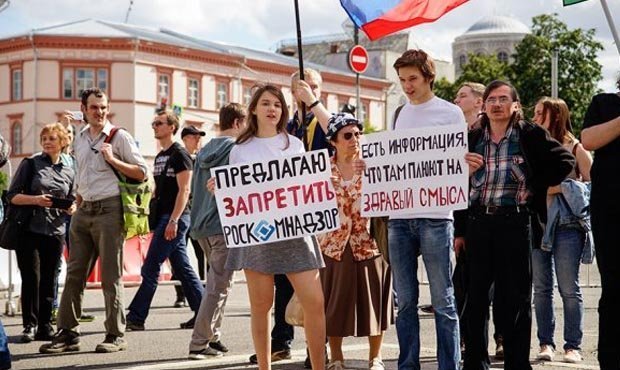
(308, 363)
(44, 332)
(179, 303)
(27, 334)
(189, 324)
(134, 326)
(219, 346)
(427, 308)
(277, 355)
(64, 341)
(112, 343)
(87, 318)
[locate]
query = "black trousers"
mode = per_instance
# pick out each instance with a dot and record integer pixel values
(282, 333)
(499, 253)
(605, 222)
(459, 280)
(38, 259)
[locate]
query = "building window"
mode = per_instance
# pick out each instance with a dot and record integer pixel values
(363, 113)
(75, 80)
(16, 138)
(102, 79)
(17, 92)
(193, 88)
(163, 86)
(221, 95)
(67, 84)
(84, 79)
(502, 56)
(462, 61)
(247, 95)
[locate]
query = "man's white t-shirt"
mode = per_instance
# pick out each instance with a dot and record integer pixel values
(259, 149)
(435, 112)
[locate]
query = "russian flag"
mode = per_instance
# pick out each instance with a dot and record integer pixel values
(381, 18)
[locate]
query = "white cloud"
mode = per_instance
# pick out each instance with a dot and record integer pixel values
(261, 24)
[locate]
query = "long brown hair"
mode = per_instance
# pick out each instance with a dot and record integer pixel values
(252, 127)
(559, 118)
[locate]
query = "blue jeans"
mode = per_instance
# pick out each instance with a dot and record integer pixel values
(5, 355)
(432, 238)
(160, 250)
(566, 254)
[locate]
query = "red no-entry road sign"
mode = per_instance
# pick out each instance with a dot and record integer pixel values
(358, 59)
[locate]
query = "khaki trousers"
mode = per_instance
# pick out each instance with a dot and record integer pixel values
(96, 231)
(219, 285)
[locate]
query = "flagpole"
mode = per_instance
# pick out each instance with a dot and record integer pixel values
(610, 21)
(301, 76)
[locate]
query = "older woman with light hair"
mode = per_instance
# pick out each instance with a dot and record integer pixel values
(43, 183)
(357, 282)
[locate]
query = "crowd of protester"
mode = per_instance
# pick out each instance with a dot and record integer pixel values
(529, 223)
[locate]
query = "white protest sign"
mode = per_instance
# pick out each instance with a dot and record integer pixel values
(279, 199)
(415, 171)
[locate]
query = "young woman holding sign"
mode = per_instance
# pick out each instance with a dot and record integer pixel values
(357, 281)
(265, 138)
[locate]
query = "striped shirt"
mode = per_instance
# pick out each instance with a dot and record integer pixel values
(501, 181)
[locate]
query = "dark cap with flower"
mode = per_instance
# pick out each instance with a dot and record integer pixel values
(338, 121)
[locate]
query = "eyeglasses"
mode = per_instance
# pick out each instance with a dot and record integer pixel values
(349, 135)
(157, 123)
(503, 100)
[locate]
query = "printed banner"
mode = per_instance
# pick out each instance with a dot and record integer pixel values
(280, 199)
(415, 171)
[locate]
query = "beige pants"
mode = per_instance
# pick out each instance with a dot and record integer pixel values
(96, 231)
(219, 284)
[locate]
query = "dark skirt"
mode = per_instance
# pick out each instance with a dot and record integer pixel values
(358, 296)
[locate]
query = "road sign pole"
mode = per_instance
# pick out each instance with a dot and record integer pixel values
(357, 76)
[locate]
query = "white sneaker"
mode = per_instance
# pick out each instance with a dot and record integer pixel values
(204, 354)
(335, 365)
(376, 364)
(546, 353)
(572, 356)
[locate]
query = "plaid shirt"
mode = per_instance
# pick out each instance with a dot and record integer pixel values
(501, 181)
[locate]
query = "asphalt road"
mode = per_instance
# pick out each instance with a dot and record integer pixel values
(165, 346)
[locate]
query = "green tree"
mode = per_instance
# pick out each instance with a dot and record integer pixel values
(481, 68)
(578, 70)
(444, 89)
(4, 181)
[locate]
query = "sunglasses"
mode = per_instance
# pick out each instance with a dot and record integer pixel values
(349, 135)
(157, 123)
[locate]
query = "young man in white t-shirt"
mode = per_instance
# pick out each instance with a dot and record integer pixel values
(430, 234)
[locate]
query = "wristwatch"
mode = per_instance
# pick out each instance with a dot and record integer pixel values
(173, 221)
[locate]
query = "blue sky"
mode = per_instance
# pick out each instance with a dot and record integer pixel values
(261, 24)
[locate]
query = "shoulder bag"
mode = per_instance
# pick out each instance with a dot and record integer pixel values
(16, 219)
(135, 197)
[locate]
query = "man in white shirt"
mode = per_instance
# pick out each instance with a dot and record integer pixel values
(430, 235)
(97, 228)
